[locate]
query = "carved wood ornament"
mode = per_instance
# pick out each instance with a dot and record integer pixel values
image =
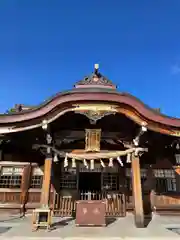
(95, 112)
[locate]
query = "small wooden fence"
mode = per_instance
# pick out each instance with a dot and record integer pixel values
(65, 206)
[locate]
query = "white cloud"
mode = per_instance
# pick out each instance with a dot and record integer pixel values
(175, 69)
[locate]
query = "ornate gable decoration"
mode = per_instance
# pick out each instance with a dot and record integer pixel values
(95, 112)
(96, 79)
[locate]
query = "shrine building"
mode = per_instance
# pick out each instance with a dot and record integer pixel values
(92, 142)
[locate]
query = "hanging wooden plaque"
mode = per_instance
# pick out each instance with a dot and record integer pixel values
(92, 140)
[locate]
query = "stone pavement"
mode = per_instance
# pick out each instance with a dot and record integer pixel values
(11, 227)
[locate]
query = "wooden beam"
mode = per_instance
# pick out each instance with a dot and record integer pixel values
(137, 192)
(72, 135)
(45, 194)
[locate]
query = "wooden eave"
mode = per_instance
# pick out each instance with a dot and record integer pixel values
(63, 102)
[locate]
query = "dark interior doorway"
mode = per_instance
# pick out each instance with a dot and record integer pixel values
(89, 181)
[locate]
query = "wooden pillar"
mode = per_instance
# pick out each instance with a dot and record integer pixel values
(177, 178)
(45, 194)
(25, 185)
(122, 178)
(137, 192)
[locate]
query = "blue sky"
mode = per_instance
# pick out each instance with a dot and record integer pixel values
(46, 46)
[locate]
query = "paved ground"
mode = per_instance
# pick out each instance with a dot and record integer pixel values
(11, 227)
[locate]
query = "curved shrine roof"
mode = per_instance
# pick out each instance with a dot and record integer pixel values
(93, 89)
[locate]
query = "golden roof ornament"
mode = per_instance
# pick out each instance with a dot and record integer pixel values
(95, 80)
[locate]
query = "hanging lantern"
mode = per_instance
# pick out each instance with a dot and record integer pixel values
(111, 162)
(85, 163)
(102, 163)
(129, 158)
(55, 158)
(66, 162)
(73, 163)
(120, 161)
(92, 164)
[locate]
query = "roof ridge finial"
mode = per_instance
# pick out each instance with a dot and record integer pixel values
(96, 68)
(96, 79)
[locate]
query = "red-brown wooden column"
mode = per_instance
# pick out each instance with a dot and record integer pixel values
(137, 192)
(25, 185)
(45, 194)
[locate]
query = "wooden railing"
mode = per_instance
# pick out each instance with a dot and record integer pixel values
(10, 197)
(90, 195)
(164, 201)
(63, 206)
(167, 201)
(115, 203)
